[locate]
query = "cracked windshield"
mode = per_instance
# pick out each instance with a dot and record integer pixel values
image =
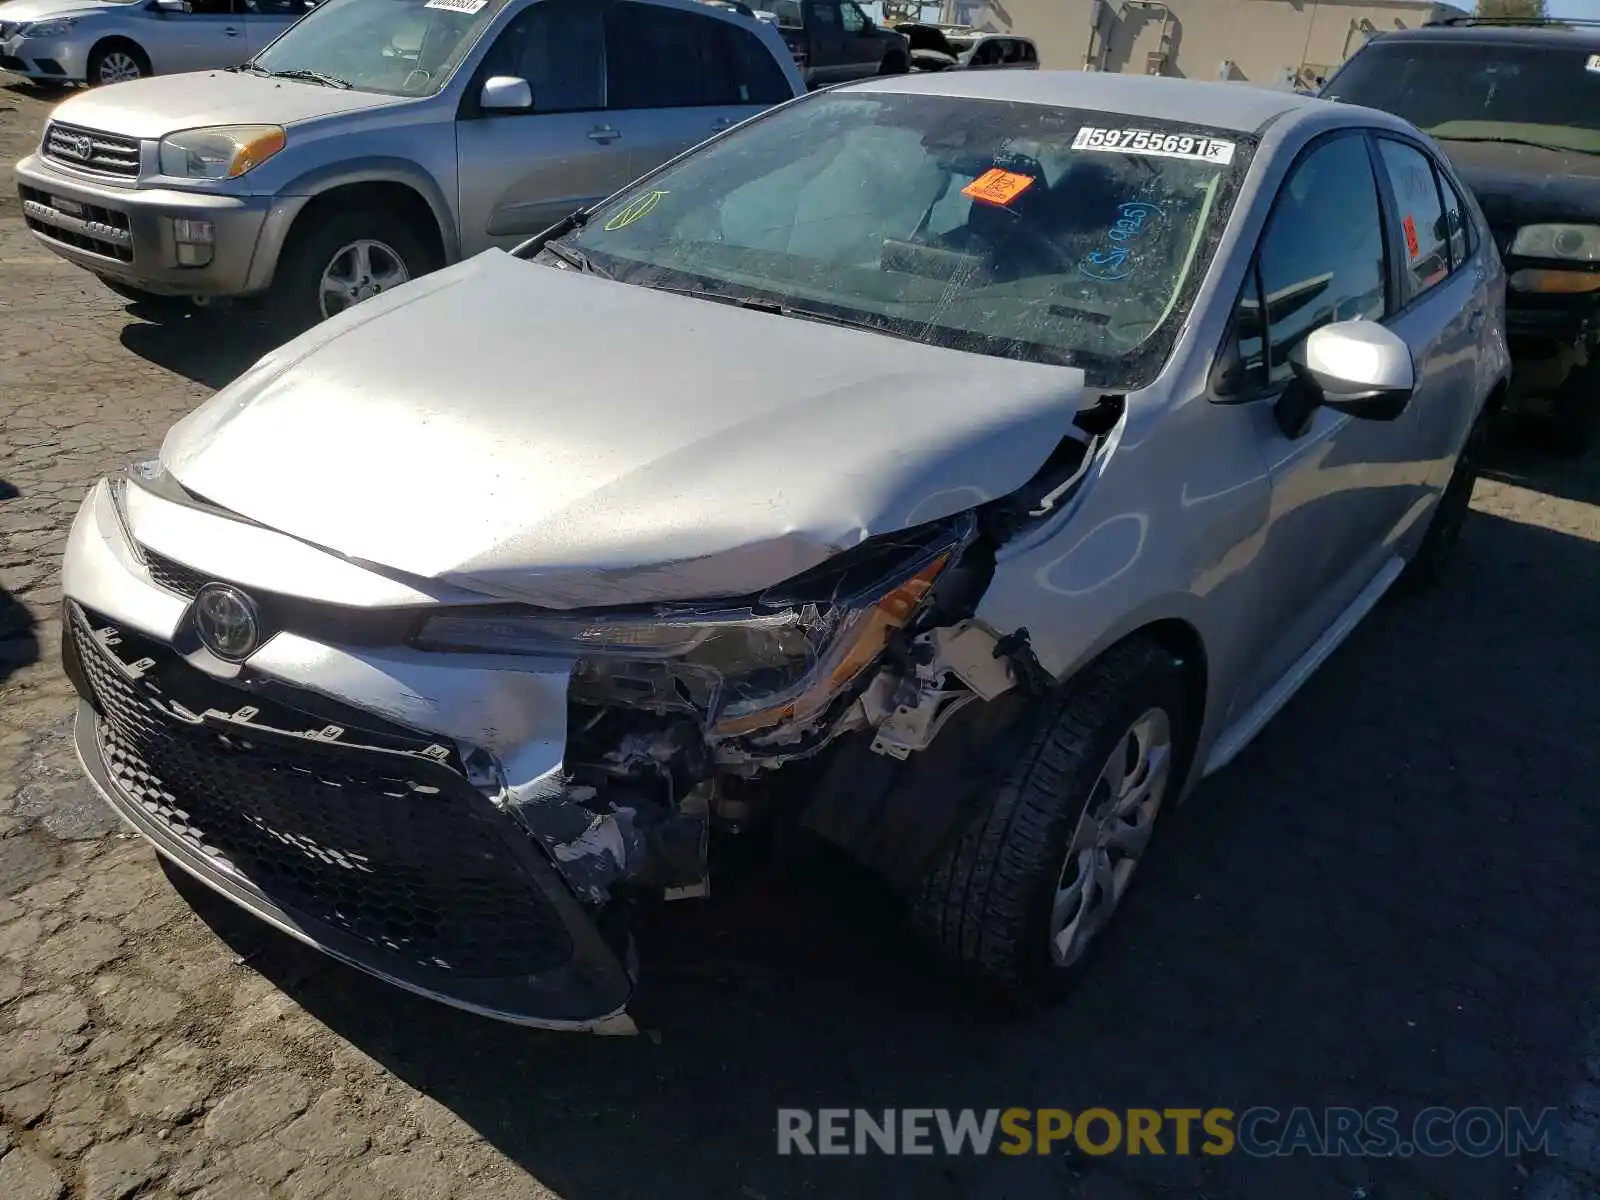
(1009, 229)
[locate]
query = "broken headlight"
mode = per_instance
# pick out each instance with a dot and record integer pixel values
(784, 657)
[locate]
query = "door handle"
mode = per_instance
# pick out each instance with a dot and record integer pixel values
(230, 31)
(603, 134)
(721, 123)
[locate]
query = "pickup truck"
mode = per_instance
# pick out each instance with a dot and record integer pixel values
(833, 41)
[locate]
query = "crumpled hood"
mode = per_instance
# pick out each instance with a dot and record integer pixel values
(573, 441)
(1523, 185)
(163, 104)
(15, 12)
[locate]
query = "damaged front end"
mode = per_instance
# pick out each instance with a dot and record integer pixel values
(681, 716)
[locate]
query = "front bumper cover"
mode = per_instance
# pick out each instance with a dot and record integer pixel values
(366, 843)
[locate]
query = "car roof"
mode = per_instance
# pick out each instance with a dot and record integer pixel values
(1234, 106)
(1553, 36)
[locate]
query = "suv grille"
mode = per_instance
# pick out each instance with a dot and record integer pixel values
(376, 840)
(86, 150)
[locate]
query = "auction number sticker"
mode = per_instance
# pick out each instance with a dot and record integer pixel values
(470, 7)
(1161, 145)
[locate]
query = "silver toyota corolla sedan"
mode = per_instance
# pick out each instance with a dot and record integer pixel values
(958, 467)
(111, 41)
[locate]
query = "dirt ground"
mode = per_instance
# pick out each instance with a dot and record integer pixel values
(1391, 898)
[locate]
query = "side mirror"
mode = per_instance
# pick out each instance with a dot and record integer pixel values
(1355, 367)
(505, 93)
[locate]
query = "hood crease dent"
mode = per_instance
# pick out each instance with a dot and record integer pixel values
(569, 441)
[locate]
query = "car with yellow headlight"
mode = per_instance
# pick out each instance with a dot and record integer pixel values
(377, 140)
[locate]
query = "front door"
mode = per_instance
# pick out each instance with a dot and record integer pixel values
(211, 34)
(520, 172)
(863, 50)
(1341, 489)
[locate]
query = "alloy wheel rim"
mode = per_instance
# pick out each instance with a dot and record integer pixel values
(358, 271)
(1111, 835)
(118, 67)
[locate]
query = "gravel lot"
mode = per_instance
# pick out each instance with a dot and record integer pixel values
(1390, 899)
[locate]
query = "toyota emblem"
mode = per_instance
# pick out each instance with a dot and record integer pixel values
(81, 147)
(227, 622)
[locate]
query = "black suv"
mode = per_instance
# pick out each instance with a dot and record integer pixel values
(1516, 106)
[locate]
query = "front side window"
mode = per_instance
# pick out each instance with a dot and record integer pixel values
(1475, 92)
(853, 18)
(756, 77)
(1423, 229)
(1018, 230)
(558, 46)
(1321, 260)
(397, 47)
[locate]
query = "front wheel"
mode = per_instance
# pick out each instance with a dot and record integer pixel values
(337, 263)
(1040, 871)
(117, 62)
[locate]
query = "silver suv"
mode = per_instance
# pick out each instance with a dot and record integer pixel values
(374, 142)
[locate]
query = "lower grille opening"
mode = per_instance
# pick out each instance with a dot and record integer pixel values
(393, 850)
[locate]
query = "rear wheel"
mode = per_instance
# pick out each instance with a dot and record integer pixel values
(117, 62)
(1020, 899)
(339, 262)
(1444, 531)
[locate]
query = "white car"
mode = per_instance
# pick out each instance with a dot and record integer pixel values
(110, 41)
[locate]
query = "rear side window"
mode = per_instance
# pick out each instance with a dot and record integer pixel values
(1321, 259)
(1029, 54)
(1424, 233)
(756, 77)
(664, 58)
(788, 13)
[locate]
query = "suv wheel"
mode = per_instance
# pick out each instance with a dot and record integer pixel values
(1039, 872)
(117, 62)
(335, 264)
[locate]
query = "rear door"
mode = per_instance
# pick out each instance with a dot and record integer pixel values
(676, 77)
(1445, 284)
(520, 172)
(264, 20)
(210, 34)
(825, 45)
(1341, 488)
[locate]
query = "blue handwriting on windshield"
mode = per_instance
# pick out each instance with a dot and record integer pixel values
(1111, 265)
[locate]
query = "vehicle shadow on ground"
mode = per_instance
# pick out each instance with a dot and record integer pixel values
(19, 640)
(1523, 462)
(33, 91)
(210, 347)
(1387, 900)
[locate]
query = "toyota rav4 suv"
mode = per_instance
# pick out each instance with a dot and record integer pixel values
(374, 142)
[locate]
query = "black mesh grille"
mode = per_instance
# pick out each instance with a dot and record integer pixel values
(174, 576)
(373, 842)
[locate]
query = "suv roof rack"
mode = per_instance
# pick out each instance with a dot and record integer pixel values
(1513, 22)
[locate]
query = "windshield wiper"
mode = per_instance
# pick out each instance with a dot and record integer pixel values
(575, 258)
(1516, 141)
(310, 76)
(754, 304)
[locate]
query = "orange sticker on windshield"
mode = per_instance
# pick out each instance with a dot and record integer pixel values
(995, 186)
(1410, 227)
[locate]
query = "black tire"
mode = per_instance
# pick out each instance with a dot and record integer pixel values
(985, 905)
(1438, 545)
(94, 76)
(894, 63)
(294, 304)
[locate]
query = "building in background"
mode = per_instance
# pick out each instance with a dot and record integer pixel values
(1272, 43)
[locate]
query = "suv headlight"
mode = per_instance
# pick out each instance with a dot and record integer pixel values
(1576, 243)
(222, 152)
(786, 658)
(58, 27)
